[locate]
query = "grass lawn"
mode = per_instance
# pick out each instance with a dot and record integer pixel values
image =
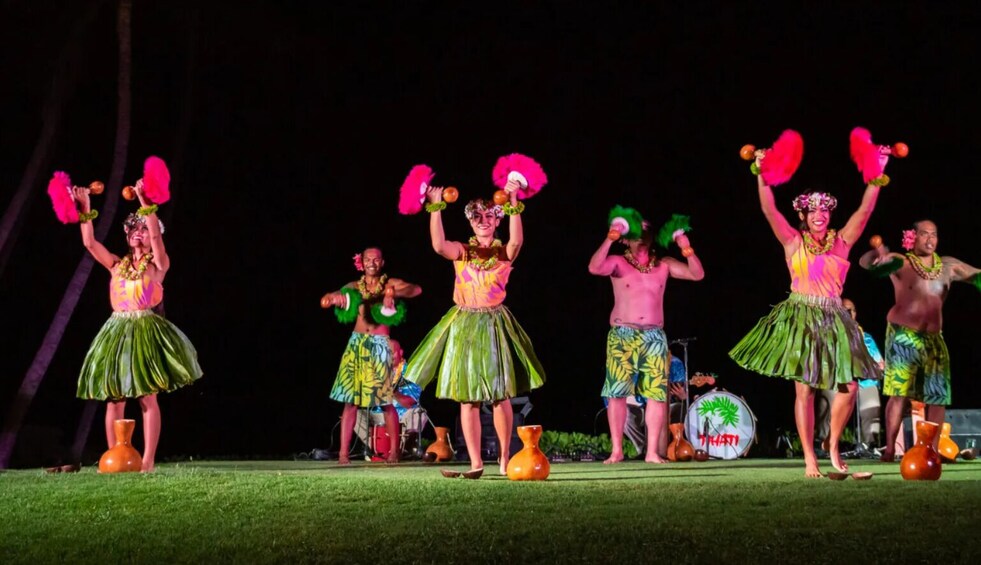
(284, 511)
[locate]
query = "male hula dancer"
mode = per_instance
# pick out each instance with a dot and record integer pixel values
(365, 378)
(917, 364)
(637, 349)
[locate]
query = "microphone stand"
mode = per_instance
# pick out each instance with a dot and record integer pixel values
(683, 342)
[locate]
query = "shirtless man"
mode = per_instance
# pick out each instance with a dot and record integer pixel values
(365, 377)
(917, 364)
(637, 349)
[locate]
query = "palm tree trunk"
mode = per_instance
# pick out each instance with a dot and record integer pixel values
(39, 366)
(62, 84)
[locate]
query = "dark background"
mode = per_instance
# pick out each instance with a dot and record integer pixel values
(304, 118)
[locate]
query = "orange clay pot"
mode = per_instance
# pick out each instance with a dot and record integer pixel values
(441, 447)
(680, 449)
(922, 463)
(875, 241)
(129, 193)
(748, 152)
(501, 198)
(529, 464)
(947, 448)
(122, 457)
(450, 194)
(96, 187)
(900, 150)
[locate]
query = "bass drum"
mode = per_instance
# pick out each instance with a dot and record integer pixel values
(722, 424)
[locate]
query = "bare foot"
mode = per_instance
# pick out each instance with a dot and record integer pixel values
(147, 468)
(343, 461)
(836, 461)
(392, 460)
(812, 471)
(888, 456)
(504, 465)
(614, 458)
(655, 458)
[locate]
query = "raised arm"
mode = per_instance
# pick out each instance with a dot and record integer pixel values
(516, 232)
(452, 250)
(601, 263)
(692, 270)
(149, 211)
(877, 257)
(98, 251)
(961, 271)
(856, 224)
(402, 289)
(785, 233)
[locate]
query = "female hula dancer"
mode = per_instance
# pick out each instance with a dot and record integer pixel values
(810, 338)
(136, 353)
(478, 350)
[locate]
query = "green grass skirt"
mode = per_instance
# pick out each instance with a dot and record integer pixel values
(137, 354)
(479, 355)
(810, 339)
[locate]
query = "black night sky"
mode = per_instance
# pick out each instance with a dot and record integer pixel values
(289, 127)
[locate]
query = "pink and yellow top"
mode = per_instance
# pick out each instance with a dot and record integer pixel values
(817, 275)
(129, 296)
(480, 288)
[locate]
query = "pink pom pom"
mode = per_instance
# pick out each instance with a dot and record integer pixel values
(156, 180)
(781, 161)
(59, 189)
(865, 154)
(528, 167)
(413, 193)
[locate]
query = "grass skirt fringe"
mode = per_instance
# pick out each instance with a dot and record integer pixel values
(137, 354)
(810, 339)
(478, 355)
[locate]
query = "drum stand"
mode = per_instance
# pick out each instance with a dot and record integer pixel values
(861, 451)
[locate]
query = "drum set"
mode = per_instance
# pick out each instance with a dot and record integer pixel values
(717, 422)
(370, 426)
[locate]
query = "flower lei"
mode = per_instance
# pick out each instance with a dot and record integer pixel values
(476, 261)
(929, 273)
(819, 248)
(126, 270)
(369, 294)
(909, 239)
(642, 268)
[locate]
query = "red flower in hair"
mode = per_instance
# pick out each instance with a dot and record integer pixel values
(357, 262)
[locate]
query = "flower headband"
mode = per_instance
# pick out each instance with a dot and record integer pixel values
(134, 219)
(815, 201)
(475, 207)
(909, 239)
(358, 264)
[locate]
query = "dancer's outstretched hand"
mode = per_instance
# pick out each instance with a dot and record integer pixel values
(883, 159)
(434, 194)
(682, 241)
(81, 194)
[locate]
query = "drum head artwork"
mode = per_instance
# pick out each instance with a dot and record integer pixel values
(722, 424)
